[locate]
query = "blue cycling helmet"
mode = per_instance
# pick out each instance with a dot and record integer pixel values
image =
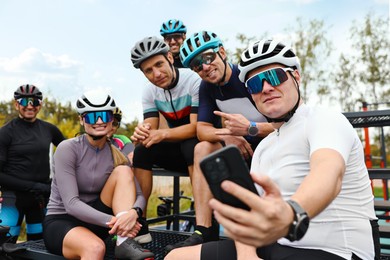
(196, 44)
(172, 26)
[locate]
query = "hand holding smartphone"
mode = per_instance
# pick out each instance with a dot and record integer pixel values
(227, 164)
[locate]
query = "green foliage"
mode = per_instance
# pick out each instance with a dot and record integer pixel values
(312, 46)
(61, 115)
(243, 40)
(345, 84)
(370, 40)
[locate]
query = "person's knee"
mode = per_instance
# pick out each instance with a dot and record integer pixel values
(204, 148)
(96, 248)
(123, 173)
(91, 248)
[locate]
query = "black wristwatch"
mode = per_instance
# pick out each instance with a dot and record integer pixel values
(252, 129)
(300, 223)
(138, 210)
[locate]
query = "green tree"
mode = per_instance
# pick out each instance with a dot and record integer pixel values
(7, 111)
(313, 48)
(372, 44)
(244, 41)
(345, 83)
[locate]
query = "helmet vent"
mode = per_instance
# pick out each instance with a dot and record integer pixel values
(289, 54)
(266, 46)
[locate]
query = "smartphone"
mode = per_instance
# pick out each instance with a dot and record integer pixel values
(227, 164)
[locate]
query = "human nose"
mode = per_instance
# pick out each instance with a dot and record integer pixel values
(205, 66)
(99, 120)
(156, 72)
(29, 104)
(267, 87)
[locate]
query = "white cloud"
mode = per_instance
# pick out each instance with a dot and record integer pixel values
(34, 60)
(51, 73)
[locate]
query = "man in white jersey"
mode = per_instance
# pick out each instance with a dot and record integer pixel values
(316, 200)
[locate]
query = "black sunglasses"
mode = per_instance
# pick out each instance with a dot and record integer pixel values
(204, 58)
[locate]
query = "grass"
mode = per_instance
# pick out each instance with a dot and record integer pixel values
(167, 190)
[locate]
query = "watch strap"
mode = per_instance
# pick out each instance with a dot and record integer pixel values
(138, 210)
(299, 213)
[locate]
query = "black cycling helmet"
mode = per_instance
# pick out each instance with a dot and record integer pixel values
(146, 48)
(172, 26)
(27, 90)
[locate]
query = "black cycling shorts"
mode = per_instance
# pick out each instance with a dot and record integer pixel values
(174, 156)
(226, 250)
(55, 227)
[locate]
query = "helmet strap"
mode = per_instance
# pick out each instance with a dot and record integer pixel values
(289, 115)
(224, 72)
(95, 137)
(175, 73)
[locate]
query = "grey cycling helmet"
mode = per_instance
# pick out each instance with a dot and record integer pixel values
(27, 90)
(146, 48)
(264, 52)
(172, 26)
(93, 101)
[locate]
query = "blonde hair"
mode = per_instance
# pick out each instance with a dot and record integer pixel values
(118, 157)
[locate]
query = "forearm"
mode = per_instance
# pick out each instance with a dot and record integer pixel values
(179, 133)
(15, 183)
(264, 129)
(207, 133)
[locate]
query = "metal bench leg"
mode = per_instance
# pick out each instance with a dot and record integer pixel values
(176, 202)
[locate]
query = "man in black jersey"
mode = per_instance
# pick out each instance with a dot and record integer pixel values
(219, 92)
(24, 164)
(174, 33)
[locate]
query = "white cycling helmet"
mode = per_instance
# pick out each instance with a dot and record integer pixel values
(93, 101)
(264, 52)
(146, 48)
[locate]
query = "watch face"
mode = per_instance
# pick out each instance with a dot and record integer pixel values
(302, 226)
(252, 131)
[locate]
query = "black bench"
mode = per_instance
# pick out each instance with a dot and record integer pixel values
(161, 238)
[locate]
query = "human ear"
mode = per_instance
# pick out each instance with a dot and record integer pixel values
(297, 76)
(170, 57)
(16, 105)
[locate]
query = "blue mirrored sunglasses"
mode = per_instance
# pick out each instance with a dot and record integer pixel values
(35, 102)
(274, 77)
(92, 117)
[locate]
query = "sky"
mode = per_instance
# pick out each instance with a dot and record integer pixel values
(67, 47)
